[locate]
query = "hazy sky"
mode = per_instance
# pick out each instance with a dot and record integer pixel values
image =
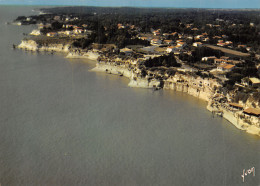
(144, 3)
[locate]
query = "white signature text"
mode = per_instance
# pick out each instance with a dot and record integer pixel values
(247, 172)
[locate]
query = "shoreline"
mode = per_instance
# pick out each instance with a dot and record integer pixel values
(235, 120)
(232, 118)
(180, 82)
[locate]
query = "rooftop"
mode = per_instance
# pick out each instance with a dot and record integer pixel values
(255, 80)
(252, 111)
(236, 105)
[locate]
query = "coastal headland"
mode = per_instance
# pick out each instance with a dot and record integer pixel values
(180, 60)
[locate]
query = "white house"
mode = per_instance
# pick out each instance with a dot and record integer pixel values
(197, 44)
(250, 81)
(78, 30)
(126, 51)
(35, 32)
(170, 49)
(225, 67)
(168, 42)
(181, 44)
(208, 58)
(156, 42)
(52, 34)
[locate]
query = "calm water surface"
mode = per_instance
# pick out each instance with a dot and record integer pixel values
(63, 125)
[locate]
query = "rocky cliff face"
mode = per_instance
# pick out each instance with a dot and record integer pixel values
(144, 83)
(79, 55)
(135, 80)
(250, 124)
(198, 87)
(28, 45)
(33, 46)
(113, 69)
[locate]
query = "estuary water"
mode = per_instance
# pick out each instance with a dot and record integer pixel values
(61, 124)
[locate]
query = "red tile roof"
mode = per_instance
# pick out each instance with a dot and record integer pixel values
(253, 111)
(236, 105)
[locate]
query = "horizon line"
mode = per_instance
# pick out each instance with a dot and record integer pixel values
(149, 7)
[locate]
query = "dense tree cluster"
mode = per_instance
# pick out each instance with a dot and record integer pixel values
(234, 24)
(165, 60)
(120, 38)
(200, 52)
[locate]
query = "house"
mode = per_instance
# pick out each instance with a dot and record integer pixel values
(224, 57)
(69, 26)
(166, 34)
(156, 42)
(218, 61)
(127, 51)
(132, 27)
(181, 44)
(52, 34)
(248, 49)
(225, 67)
(176, 52)
(250, 81)
(226, 60)
(220, 20)
(217, 37)
(189, 37)
(228, 67)
(41, 26)
(180, 36)
(35, 32)
(241, 46)
(225, 36)
(197, 44)
(156, 32)
(205, 39)
(78, 30)
(61, 33)
(236, 106)
(56, 18)
(120, 26)
(208, 58)
(168, 42)
(189, 25)
(228, 42)
(170, 49)
(252, 112)
(221, 44)
(179, 40)
(198, 36)
(254, 81)
(143, 38)
(67, 32)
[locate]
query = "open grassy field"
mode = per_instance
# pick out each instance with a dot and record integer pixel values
(229, 51)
